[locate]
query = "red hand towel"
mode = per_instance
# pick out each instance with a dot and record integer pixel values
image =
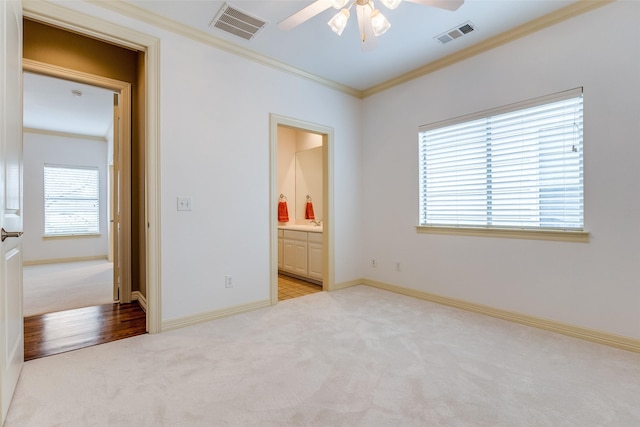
(308, 213)
(283, 212)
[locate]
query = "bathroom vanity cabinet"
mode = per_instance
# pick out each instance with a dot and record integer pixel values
(300, 253)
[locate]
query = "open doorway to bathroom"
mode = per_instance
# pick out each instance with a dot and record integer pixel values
(301, 206)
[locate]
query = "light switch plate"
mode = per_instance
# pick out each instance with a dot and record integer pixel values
(184, 203)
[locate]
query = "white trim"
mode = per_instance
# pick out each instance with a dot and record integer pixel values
(327, 189)
(508, 233)
(62, 260)
(502, 109)
(184, 322)
(71, 236)
(618, 341)
(574, 9)
(349, 284)
(137, 296)
(107, 31)
(64, 134)
(37, 67)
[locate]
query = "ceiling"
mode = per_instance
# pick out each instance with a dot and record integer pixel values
(50, 104)
(312, 47)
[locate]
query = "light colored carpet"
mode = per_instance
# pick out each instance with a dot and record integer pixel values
(355, 357)
(57, 287)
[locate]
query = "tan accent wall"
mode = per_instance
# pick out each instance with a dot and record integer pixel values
(55, 46)
(138, 183)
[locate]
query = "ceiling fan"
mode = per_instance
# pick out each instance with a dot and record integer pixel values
(371, 22)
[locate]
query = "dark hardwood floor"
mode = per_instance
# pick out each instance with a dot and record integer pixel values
(59, 332)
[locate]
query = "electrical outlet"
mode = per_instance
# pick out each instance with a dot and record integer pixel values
(374, 263)
(184, 203)
(398, 266)
(228, 281)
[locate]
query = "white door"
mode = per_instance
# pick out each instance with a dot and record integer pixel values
(11, 321)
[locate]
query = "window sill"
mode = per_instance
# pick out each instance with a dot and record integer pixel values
(71, 236)
(508, 233)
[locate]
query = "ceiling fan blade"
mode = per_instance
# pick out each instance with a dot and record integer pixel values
(368, 40)
(442, 4)
(304, 14)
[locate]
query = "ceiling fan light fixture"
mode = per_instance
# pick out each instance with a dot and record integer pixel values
(338, 4)
(339, 21)
(379, 23)
(391, 4)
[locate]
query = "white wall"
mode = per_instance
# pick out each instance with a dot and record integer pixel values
(214, 147)
(287, 168)
(60, 150)
(593, 285)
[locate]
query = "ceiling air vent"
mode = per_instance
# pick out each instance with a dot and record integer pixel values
(455, 33)
(237, 22)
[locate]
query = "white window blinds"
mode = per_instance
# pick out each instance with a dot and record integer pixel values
(519, 166)
(71, 200)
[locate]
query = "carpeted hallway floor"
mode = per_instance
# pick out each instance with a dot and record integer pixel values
(55, 287)
(355, 357)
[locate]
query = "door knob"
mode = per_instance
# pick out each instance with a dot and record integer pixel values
(6, 234)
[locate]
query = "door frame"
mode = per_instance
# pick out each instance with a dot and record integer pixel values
(91, 26)
(328, 282)
(122, 155)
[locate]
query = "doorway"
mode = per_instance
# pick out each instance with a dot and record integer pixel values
(70, 136)
(302, 241)
(76, 163)
(147, 188)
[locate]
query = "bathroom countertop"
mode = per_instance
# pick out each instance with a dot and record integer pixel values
(302, 227)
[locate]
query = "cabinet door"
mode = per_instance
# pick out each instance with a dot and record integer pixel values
(315, 260)
(301, 267)
(280, 253)
(289, 258)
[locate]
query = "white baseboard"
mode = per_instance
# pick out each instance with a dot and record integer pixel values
(183, 322)
(61, 260)
(137, 296)
(625, 343)
(344, 285)
(613, 340)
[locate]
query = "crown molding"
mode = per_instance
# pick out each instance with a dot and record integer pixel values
(127, 9)
(154, 19)
(574, 9)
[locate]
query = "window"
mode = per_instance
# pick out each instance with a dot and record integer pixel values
(71, 200)
(519, 167)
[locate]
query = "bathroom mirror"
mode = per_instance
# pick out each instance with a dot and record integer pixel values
(309, 182)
